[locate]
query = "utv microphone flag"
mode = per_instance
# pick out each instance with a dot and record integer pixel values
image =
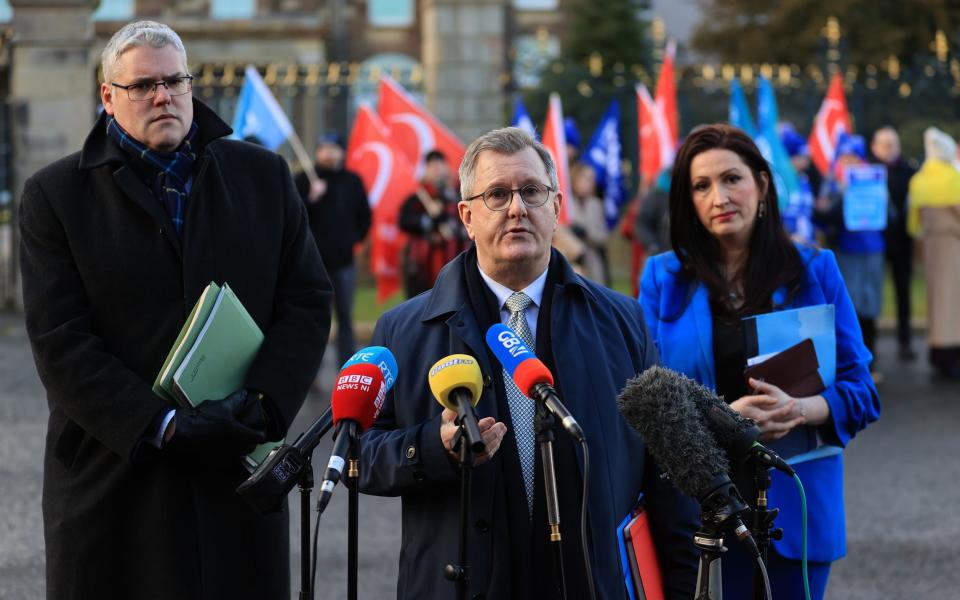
(258, 114)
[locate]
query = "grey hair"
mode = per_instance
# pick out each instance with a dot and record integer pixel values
(138, 33)
(509, 141)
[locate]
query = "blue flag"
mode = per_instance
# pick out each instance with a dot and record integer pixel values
(739, 111)
(772, 148)
(603, 154)
(521, 118)
(258, 114)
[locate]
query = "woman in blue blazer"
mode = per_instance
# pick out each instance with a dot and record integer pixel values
(732, 259)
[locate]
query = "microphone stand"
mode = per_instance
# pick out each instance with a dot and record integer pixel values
(460, 572)
(709, 581)
(543, 427)
(353, 519)
(719, 512)
(306, 487)
(763, 530)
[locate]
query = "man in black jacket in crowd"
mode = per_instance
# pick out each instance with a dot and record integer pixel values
(885, 148)
(339, 218)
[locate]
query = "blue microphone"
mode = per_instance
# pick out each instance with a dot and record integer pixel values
(376, 355)
(532, 377)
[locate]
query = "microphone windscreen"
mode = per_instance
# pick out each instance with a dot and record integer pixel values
(452, 372)
(377, 355)
(733, 432)
(655, 404)
(358, 395)
(517, 359)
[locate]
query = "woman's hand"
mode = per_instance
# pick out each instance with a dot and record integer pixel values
(775, 412)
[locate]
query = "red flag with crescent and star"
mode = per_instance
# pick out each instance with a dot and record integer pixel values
(832, 119)
(389, 181)
(414, 130)
(555, 140)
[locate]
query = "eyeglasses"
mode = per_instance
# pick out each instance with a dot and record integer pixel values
(499, 198)
(176, 86)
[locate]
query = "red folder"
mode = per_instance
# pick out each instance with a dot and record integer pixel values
(643, 558)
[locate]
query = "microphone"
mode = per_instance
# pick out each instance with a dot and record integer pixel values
(735, 433)
(376, 355)
(356, 401)
(456, 383)
(273, 479)
(532, 377)
(658, 408)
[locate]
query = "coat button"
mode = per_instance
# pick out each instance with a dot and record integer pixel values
(411, 451)
(487, 380)
(482, 525)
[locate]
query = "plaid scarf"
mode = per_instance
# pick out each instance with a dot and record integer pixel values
(170, 170)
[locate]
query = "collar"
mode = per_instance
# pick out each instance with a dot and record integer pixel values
(99, 149)
(534, 290)
(449, 294)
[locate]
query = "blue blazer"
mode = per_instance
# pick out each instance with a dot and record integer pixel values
(598, 342)
(682, 330)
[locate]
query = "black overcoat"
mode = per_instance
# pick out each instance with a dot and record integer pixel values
(107, 285)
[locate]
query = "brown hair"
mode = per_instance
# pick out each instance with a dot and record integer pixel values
(772, 260)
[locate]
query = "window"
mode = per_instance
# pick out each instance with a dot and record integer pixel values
(390, 13)
(535, 4)
(233, 9)
(114, 10)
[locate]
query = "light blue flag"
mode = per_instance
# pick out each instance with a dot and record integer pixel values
(739, 111)
(521, 118)
(771, 146)
(604, 155)
(258, 113)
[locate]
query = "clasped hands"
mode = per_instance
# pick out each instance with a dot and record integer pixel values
(774, 411)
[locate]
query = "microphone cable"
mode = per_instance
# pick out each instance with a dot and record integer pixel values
(803, 515)
(583, 520)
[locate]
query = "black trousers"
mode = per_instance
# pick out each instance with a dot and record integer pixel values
(900, 259)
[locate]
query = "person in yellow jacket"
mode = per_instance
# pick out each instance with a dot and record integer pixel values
(934, 217)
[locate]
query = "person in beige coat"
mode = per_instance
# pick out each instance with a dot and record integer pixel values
(934, 217)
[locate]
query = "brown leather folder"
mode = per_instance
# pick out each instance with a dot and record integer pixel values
(793, 370)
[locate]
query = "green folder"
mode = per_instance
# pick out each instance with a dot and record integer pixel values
(217, 363)
(212, 355)
(163, 385)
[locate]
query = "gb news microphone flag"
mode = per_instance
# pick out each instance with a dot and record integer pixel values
(414, 130)
(603, 154)
(521, 118)
(389, 180)
(258, 114)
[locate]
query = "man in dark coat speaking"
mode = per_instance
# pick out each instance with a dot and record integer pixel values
(590, 337)
(118, 242)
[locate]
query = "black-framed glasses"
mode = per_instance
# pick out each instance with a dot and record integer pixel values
(145, 90)
(499, 198)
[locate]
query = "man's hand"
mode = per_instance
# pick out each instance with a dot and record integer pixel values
(317, 189)
(491, 429)
(225, 428)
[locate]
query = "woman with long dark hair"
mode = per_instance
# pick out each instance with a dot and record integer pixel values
(732, 259)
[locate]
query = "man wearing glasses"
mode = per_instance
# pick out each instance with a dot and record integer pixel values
(118, 242)
(591, 338)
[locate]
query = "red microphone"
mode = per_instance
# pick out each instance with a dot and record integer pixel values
(355, 403)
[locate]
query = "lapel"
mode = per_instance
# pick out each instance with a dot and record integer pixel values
(449, 301)
(136, 192)
(703, 322)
